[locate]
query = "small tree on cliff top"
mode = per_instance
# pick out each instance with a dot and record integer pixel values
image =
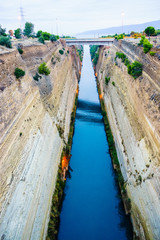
(18, 33)
(29, 29)
(150, 31)
(2, 31)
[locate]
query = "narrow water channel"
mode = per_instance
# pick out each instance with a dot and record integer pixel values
(92, 208)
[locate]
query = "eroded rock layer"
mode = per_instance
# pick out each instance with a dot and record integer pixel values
(133, 109)
(35, 119)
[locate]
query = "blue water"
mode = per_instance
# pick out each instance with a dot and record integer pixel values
(92, 208)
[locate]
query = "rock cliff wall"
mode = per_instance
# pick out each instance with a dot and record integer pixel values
(133, 109)
(35, 120)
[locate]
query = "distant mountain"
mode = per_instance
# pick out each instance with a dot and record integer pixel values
(118, 30)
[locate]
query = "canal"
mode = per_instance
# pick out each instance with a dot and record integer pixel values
(92, 208)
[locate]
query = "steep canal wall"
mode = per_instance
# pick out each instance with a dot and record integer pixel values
(133, 109)
(35, 120)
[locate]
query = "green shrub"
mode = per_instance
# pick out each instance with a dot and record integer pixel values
(46, 35)
(140, 178)
(80, 52)
(41, 39)
(61, 51)
(20, 50)
(36, 77)
(152, 53)
(107, 79)
(93, 50)
(113, 83)
(5, 41)
(121, 56)
(39, 33)
(126, 62)
(53, 38)
(121, 36)
(158, 32)
(135, 69)
(146, 45)
(142, 40)
(95, 60)
(19, 73)
(43, 69)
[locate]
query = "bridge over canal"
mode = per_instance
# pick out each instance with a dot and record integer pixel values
(91, 41)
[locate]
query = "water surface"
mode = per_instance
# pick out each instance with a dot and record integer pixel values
(92, 208)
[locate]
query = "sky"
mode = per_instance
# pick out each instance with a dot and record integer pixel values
(69, 17)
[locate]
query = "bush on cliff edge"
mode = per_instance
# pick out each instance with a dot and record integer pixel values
(5, 41)
(19, 73)
(43, 69)
(135, 69)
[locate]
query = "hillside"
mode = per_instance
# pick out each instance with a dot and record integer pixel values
(118, 30)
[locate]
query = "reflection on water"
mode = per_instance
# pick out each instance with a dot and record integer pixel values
(92, 208)
(89, 112)
(88, 106)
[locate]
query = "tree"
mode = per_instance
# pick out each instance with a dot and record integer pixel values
(46, 35)
(53, 38)
(39, 33)
(29, 29)
(150, 31)
(41, 40)
(5, 41)
(2, 31)
(132, 33)
(18, 33)
(142, 40)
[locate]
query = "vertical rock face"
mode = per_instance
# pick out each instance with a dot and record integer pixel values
(133, 108)
(31, 114)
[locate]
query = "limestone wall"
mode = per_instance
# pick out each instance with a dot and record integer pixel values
(133, 108)
(30, 144)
